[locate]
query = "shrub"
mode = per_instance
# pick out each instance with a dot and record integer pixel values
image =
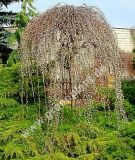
(9, 81)
(59, 156)
(10, 109)
(130, 110)
(128, 88)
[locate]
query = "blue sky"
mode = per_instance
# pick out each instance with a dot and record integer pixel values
(119, 13)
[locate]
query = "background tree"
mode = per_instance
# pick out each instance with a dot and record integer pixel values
(6, 19)
(19, 21)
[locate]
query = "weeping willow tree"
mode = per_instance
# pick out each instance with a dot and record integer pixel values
(62, 47)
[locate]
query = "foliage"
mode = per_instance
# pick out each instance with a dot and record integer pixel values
(9, 80)
(22, 19)
(134, 62)
(13, 58)
(91, 139)
(128, 88)
(8, 109)
(4, 47)
(130, 110)
(4, 36)
(6, 19)
(12, 144)
(19, 21)
(7, 2)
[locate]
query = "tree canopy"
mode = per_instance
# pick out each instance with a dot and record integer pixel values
(7, 2)
(6, 19)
